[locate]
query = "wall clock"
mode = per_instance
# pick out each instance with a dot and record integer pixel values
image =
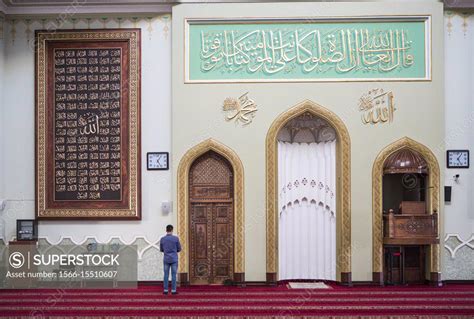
(457, 158)
(157, 161)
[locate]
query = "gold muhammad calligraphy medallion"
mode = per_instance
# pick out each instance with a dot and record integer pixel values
(241, 110)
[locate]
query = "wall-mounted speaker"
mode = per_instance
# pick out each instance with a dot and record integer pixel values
(447, 194)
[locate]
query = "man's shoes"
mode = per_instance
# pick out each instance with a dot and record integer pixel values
(165, 292)
(174, 293)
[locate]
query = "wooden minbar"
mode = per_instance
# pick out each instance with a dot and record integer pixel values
(407, 235)
(414, 227)
(409, 228)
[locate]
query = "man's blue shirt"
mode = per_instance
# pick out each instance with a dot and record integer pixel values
(170, 245)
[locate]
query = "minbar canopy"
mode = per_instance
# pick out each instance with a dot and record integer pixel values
(405, 161)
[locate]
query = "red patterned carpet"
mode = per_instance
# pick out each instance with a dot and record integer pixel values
(452, 301)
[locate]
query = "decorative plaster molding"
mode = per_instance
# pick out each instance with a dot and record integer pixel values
(461, 244)
(453, 24)
(30, 23)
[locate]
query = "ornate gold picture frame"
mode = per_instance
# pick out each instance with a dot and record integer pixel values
(88, 124)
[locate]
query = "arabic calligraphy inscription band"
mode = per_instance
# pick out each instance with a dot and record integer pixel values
(266, 50)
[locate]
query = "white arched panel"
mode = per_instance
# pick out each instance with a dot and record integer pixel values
(307, 204)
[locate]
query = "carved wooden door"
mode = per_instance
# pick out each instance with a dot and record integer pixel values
(211, 219)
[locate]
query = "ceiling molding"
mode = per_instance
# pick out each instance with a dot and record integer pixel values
(41, 3)
(42, 7)
(57, 7)
(27, 11)
(3, 7)
(45, 7)
(101, 15)
(459, 5)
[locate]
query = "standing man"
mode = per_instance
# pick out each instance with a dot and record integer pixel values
(170, 246)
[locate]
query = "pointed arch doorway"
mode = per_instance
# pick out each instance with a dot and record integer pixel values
(211, 219)
(342, 190)
(210, 199)
(431, 208)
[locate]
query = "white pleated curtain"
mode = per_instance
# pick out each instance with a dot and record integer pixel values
(307, 206)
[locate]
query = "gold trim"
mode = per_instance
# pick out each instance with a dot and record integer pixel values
(182, 225)
(433, 199)
(133, 36)
(343, 195)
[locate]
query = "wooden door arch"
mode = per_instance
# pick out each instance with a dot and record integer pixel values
(211, 219)
(182, 203)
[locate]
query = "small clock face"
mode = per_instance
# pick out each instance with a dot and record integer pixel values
(458, 159)
(157, 161)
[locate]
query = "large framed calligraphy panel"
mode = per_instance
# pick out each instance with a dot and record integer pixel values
(88, 124)
(306, 50)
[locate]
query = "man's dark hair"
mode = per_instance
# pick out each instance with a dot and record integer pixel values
(169, 228)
